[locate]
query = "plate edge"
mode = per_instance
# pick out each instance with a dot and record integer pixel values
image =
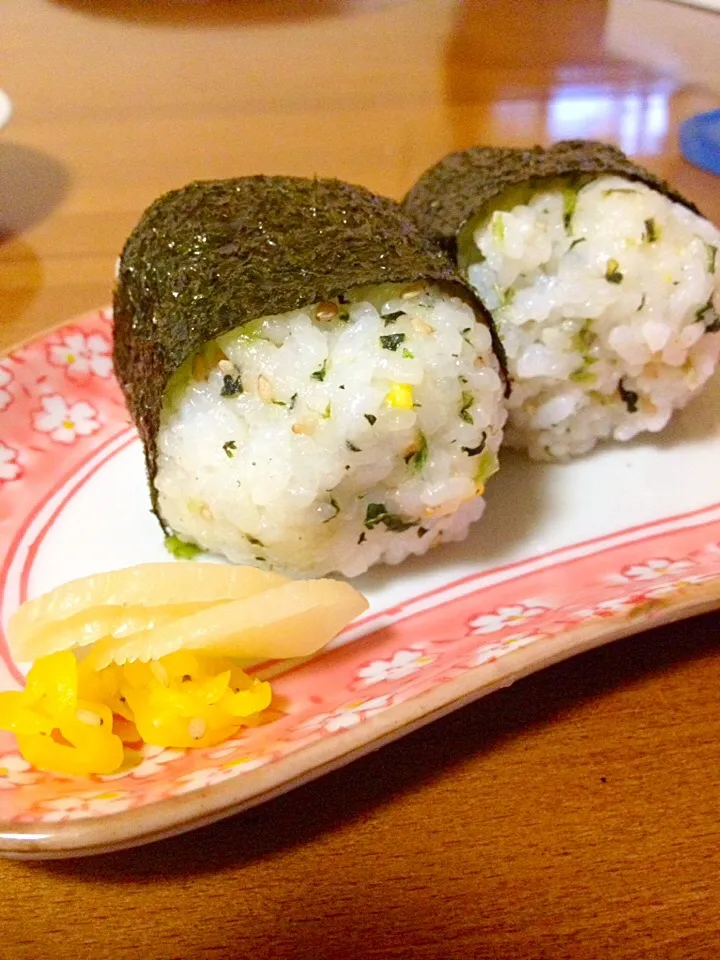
(177, 815)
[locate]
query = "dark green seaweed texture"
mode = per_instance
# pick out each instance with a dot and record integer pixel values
(458, 187)
(214, 255)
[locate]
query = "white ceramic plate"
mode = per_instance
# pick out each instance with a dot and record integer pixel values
(566, 558)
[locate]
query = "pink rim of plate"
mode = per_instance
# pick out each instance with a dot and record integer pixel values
(63, 421)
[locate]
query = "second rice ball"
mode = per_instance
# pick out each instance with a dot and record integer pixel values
(604, 285)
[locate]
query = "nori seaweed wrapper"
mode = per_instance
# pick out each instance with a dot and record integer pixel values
(215, 255)
(458, 187)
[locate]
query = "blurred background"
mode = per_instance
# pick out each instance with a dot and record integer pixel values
(116, 102)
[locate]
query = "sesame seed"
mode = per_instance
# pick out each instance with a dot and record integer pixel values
(199, 367)
(414, 290)
(159, 672)
(327, 310)
(197, 728)
(306, 428)
(420, 326)
(88, 717)
(265, 389)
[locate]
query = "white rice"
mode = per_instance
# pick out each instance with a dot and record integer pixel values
(605, 314)
(339, 438)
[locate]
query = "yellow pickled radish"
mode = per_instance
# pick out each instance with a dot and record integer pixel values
(293, 620)
(149, 585)
(18, 717)
(100, 753)
(83, 723)
(164, 668)
(59, 730)
(246, 703)
(128, 733)
(184, 663)
(52, 683)
(103, 686)
(184, 712)
(56, 730)
(178, 732)
(211, 690)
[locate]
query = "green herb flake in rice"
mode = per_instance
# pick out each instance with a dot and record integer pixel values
(708, 316)
(712, 324)
(629, 397)
(467, 401)
(651, 232)
(321, 373)
(583, 376)
(231, 386)
(230, 446)
(584, 339)
(497, 225)
(418, 455)
(613, 273)
(570, 195)
(711, 257)
(334, 504)
(377, 513)
(487, 466)
(182, 550)
(392, 341)
(475, 451)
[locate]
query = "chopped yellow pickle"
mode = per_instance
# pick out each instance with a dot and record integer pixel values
(159, 648)
(400, 396)
(72, 720)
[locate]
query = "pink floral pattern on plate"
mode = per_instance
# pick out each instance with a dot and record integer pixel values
(62, 417)
(10, 469)
(63, 421)
(6, 378)
(81, 355)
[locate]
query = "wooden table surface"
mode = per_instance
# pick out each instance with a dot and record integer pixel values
(574, 815)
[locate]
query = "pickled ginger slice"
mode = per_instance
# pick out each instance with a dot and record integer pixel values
(118, 598)
(292, 620)
(84, 629)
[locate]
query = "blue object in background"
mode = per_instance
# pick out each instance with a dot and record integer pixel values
(700, 140)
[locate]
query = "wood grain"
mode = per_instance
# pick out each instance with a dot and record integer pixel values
(572, 816)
